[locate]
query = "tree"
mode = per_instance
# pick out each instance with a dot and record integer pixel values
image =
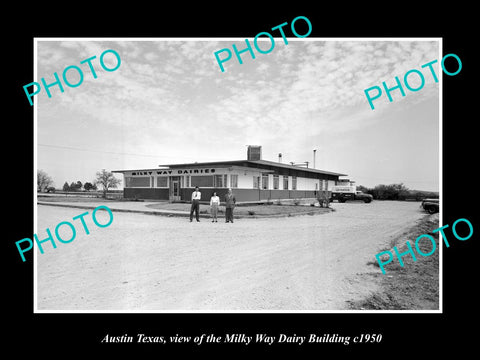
(323, 198)
(106, 180)
(75, 186)
(88, 186)
(66, 187)
(401, 191)
(390, 192)
(43, 180)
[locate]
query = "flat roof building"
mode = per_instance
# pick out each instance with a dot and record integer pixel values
(250, 180)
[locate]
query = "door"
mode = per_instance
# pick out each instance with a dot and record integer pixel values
(174, 189)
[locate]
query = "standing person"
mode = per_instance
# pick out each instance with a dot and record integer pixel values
(214, 203)
(229, 206)
(196, 195)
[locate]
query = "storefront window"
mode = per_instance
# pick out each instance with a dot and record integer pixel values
(143, 181)
(294, 183)
(285, 183)
(275, 182)
(162, 181)
(220, 181)
(201, 181)
(233, 181)
(265, 181)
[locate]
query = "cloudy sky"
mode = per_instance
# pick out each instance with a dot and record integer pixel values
(168, 102)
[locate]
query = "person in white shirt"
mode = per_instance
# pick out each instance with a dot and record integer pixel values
(196, 195)
(214, 204)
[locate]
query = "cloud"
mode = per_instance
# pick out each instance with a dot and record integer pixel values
(163, 88)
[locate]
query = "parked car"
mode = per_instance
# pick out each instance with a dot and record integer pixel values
(431, 206)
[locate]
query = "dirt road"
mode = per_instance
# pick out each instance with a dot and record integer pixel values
(145, 262)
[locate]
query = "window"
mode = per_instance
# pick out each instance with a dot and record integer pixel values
(220, 181)
(275, 182)
(264, 181)
(234, 181)
(143, 181)
(294, 183)
(322, 185)
(285, 183)
(162, 181)
(256, 182)
(187, 181)
(201, 181)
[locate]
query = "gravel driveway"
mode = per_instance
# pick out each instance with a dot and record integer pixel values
(145, 262)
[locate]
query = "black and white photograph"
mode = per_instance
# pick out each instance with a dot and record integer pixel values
(309, 181)
(223, 179)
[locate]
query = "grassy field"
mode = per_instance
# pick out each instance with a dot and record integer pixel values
(244, 210)
(414, 286)
(250, 210)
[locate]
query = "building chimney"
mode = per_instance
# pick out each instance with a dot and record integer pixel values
(279, 157)
(314, 152)
(254, 152)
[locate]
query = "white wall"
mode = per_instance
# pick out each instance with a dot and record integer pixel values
(245, 180)
(306, 184)
(245, 177)
(331, 183)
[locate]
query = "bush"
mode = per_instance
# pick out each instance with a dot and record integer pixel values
(323, 198)
(387, 192)
(396, 192)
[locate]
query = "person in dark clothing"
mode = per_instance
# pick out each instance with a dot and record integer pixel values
(229, 206)
(196, 195)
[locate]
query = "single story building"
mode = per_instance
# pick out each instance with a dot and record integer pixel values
(251, 180)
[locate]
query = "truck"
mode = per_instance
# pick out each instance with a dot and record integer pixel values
(431, 206)
(342, 193)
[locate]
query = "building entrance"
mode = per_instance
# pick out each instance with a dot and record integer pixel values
(174, 194)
